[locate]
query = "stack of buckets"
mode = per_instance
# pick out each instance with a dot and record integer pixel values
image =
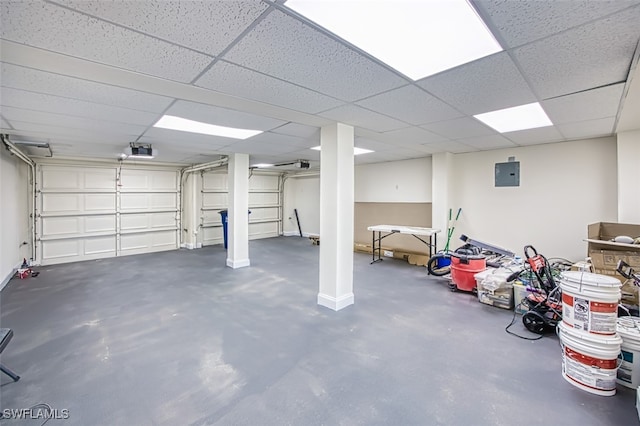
(588, 331)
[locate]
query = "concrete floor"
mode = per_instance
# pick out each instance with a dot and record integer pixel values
(177, 338)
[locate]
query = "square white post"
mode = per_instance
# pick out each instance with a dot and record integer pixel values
(238, 218)
(336, 216)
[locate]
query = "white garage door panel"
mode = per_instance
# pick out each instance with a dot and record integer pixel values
(263, 230)
(70, 250)
(264, 213)
(78, 225)
(85, 213)
(149, 180)
(57, 178)
(263, 182)
(148, 202)
(147, 221)
(215, 181)
(212, 236)
(211, 217)
(75, 203)
(215, 200)
(148, 242)
(263, 199)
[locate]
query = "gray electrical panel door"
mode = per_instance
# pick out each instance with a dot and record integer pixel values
(508, 174)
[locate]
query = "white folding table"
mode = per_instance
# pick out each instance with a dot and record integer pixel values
(416, 231)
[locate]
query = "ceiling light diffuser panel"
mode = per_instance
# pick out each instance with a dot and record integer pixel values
(182, 124)
(530, 116)
(418, 38)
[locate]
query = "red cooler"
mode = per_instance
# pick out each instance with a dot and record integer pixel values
(463, 269)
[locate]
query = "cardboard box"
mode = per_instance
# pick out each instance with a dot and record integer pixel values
(605, 253)
(413, 258)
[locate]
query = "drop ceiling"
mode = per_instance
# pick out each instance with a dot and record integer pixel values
(89, 77)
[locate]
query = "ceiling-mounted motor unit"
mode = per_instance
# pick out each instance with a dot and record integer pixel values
(144, 151)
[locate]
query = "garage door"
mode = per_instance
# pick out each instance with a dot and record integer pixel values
(88, 213)
(264, 203)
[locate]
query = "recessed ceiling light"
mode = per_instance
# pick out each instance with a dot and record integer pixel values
(418, 38)
(522, 117)
(356, 150)
(185, 125)
(262, 165)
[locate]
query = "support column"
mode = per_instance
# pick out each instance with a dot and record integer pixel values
(336, 216)
(238, 219)
(629, 176)
(442, 190)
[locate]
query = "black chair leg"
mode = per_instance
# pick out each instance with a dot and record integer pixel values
(9, 373)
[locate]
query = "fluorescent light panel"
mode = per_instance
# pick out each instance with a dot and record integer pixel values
(522, 117)
(418, 38)
(262, 165)
(185, 125)
(356, 150)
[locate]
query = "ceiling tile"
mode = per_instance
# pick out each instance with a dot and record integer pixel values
(588, 129)
(55, 84)
(213, 25)
(56, 104)
(373, 145)
(4, 124)
(592, 104)
(88, 134)
(414, 135)
(488, 142)
(222, 117)
(51, 27)
(582, 58)
(270, 138)
(252, 147)
(454, 147)
(357, 116)
(520, 22)
(238, 81)
(283, 47)
(300, 130)
(488, 84)
(71, 122)
(410, 104)
(535, 136)
(465, 127)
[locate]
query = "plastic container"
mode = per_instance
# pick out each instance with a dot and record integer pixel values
(520, 293)
(463, 270)
(590, 302)
(589, 362)
(493, 288)
(224, 217)
(629, 370)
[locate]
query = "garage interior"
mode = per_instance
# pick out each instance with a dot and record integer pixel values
(138, 308)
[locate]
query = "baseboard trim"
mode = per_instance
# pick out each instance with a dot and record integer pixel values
(6, 279)
(336, 303)
(297, 234)
(235, 264)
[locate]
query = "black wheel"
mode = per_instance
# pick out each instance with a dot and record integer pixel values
(534, 322)
(439, 265)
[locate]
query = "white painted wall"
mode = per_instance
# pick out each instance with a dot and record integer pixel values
(629, 177)
(303, 194)
(407, 181)
(563, 188)
(14, 214)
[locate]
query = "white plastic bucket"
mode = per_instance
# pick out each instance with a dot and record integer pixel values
(629, 370)
(590, 362)
(590, 301)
